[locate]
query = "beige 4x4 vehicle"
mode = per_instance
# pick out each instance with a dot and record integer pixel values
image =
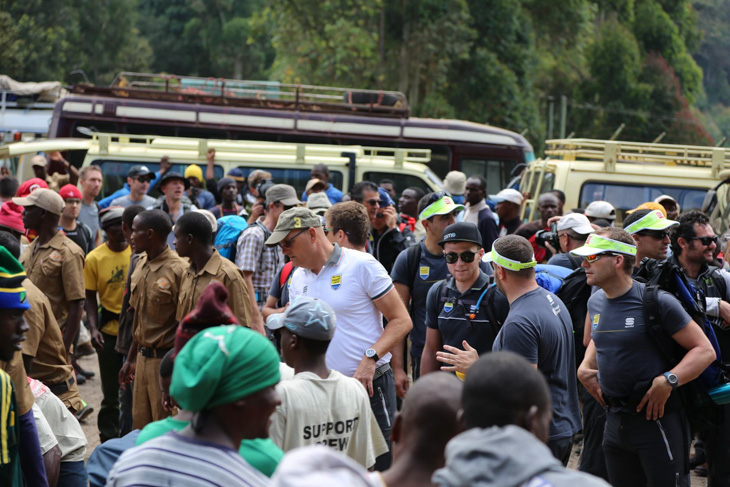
(626, 174)
(288, 163)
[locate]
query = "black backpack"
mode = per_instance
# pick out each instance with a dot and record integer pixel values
(574, 293)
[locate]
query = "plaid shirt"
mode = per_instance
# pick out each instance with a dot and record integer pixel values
(253, 256)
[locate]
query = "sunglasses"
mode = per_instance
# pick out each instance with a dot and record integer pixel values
(655, 234)
(372, 202)
(592, 258)
(706, 241)
(288, 242)
(466, 257)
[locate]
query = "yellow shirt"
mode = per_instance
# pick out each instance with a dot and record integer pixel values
(106, 272)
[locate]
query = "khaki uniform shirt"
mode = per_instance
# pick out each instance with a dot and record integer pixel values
(57, 268)
(44, 341)
(216, 269)
(23, 395)
(154, 293)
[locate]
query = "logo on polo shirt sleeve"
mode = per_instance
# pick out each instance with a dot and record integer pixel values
(336, 282)
(596, 317)
(424, 272)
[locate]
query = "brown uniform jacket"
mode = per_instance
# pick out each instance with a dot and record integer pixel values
(154, 292)
(44, 341)
(23, 395)
(219, 269)
(57, 268)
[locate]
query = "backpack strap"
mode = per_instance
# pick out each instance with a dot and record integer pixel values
(285, 273)
(653, 324)
(413, 258)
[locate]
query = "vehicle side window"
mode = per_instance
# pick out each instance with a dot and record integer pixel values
(402, 181)
(628, 196)
(296, 177)
(496, 172)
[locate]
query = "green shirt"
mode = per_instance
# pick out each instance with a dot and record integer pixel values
(261, 453)
(10, 474)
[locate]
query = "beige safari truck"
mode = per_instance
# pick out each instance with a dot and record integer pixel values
(626, 174)
(289, 163)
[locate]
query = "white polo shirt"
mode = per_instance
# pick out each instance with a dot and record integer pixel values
(349, 282)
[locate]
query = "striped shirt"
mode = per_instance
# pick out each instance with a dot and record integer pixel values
(176, 460)
(9, 431)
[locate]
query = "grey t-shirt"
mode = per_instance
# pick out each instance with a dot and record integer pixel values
(126, 201)
(538, 327)
(626, 354)
(89, 216)
(565, 260)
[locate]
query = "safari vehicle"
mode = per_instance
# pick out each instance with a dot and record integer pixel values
(211, 108)
(626, 174)
(288, 163)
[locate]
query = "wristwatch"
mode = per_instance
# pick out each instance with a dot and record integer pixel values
(370, 353)
(672, 379)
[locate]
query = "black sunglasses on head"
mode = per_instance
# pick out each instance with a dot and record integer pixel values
(437, 196)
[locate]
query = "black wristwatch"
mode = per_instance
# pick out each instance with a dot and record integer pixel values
(370, 353)
(672, 379)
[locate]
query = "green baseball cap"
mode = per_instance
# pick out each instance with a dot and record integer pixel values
(293, 219)
(502, 261)
(597, 244)
(654, 220)
(441, 204)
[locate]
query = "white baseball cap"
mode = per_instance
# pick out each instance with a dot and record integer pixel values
(601, 209)
(577, 222)
(511, 195)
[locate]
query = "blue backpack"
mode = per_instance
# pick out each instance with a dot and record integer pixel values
(551, 277)
(229, 229)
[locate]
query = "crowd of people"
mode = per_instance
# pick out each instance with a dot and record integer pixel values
(250, 335)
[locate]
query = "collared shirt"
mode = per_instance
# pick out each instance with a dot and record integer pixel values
(216, 269)
(16, 371)
(350, 282)
(57, 268)
(253, 256)
(154, 294)
(44, 341)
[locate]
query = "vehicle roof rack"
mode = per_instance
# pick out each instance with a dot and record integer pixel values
(246, 93)
(612, 151)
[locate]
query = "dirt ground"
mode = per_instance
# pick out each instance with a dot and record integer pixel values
(91, 393)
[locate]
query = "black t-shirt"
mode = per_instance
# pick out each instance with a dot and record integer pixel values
(81, 236)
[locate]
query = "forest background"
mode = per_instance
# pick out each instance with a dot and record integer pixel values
(654, 66)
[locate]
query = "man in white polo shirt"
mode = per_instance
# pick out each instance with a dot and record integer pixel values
(360, 291)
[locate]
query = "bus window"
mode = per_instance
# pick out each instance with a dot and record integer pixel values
(627, 196)
(93, 126)
(114, 173)
(295, 177)
(402, 181)
(496, 172)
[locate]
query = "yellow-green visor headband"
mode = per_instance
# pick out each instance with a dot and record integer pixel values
(442, 206)
(654, 220)
(510, 264)
(596, 244)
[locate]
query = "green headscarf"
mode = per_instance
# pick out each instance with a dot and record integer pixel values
(221, 365)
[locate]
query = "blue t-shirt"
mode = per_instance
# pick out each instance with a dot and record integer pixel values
(334, 194)
(539, 328)
(626, 354)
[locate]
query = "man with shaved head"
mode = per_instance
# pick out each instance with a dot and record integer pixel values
(428, 420)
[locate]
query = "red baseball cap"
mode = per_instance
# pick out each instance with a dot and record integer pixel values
(70, 191)
(29, 186)
(11, 216)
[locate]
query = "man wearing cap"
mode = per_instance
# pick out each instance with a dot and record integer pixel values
(194, 237)
(548, 206)
(509, 204)
(313, 186)
(360, 291)
(600, 210)
(318, 203)
(69, 223)
(173, 201)
(226, 376)
(670, 205)
(13, 304)
(539, 328)
(321, 172)
(478, 212)
(455, 184)
(11, 219)
(197, 193)
(165, 166)
(646, 434)
(154, 295)
(573, 230)
(420, 267)
(463, 312)
(105, 273)
(650, 230)
(228, 192)
(320, 405)
(55, 264)
(259, 262)
(138, 179)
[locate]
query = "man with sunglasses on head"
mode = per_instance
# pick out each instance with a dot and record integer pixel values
(259, 262)
(360, 291)
(693, 250)
(646, 434)
(462, 311)
(650, 230)
(539, 328)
